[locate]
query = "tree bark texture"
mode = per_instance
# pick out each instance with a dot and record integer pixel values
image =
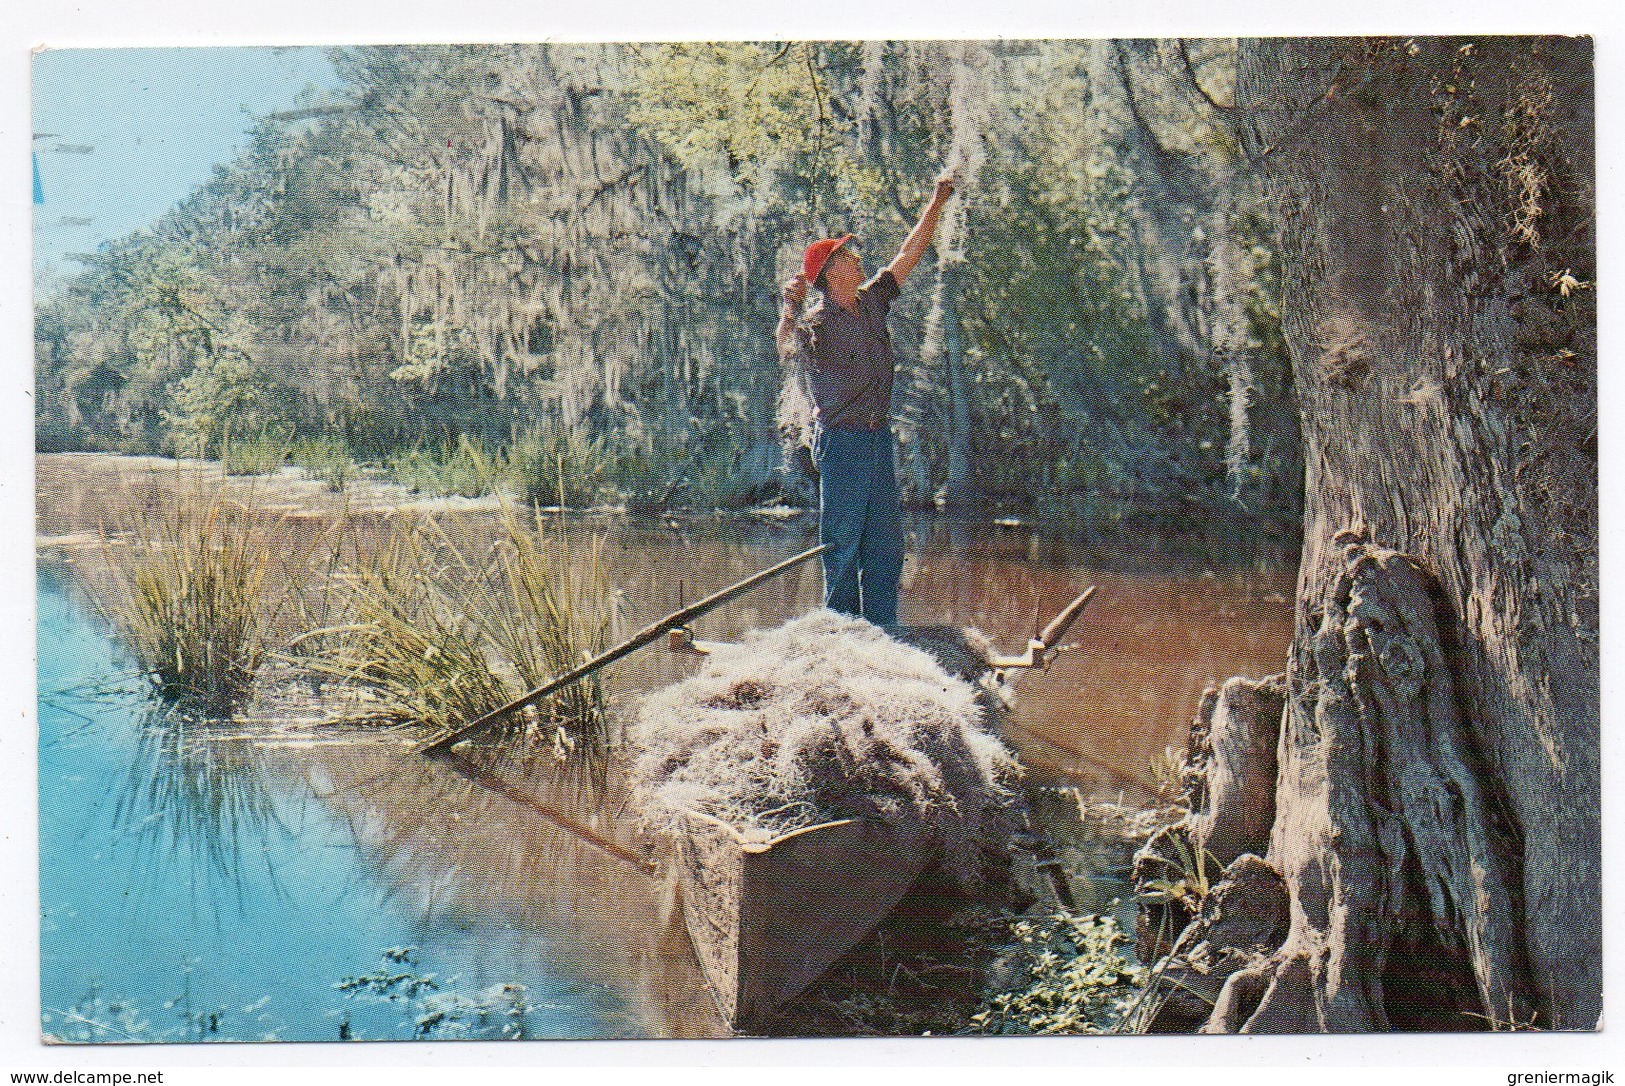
(1242, 918)
(1401, 861)
(1437, 805)
(1230, 781)
(1233, 796)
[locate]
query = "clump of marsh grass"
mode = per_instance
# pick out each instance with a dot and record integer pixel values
(463, 469)
(826, 718)
(544, 606)
(259, 455)
(325, 458)
(447, 623)
(498, 1012)
(194, 596)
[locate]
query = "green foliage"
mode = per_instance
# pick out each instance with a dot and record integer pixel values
(326, 458)
(1074, 976)
(702, 471)
(437, 1010)
(157, 328)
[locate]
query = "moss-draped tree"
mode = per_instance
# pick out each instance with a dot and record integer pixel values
(1437, 797)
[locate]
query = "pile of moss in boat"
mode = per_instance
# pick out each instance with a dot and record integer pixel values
(821, 719)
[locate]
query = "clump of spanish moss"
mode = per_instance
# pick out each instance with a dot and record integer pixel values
(824, 718)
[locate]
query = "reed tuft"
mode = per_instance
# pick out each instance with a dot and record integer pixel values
(563, 467)
(193, 596)
(448, 623)
(326, 458)
(263, 454)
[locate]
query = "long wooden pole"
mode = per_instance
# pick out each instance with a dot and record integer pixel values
(486, 779)
(1063, 621)
(672, 621)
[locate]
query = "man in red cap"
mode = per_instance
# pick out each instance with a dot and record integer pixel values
(843, 342)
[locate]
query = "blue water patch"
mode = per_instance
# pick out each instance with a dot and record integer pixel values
(190, 890)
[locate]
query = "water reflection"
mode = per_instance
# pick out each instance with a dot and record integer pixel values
(491, 839)
(209, 882)
(198, 815)
(201, 882)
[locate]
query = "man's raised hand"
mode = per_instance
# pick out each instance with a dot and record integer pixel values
(795, 291)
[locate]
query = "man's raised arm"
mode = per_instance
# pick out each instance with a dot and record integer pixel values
(919, 238)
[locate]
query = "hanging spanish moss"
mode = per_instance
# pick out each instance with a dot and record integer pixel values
(941, 366)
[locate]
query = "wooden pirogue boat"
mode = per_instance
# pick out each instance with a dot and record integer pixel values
(769, 917)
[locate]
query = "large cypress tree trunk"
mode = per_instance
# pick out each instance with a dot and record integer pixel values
(1437, 802)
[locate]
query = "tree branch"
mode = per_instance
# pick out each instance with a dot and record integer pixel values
(774, 63)
(1190, 70)
(823, 120)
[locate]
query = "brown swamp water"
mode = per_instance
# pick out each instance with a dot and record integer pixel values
(497, 865)
(1159, 630)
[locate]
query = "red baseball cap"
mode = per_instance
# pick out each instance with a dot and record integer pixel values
(818, 254)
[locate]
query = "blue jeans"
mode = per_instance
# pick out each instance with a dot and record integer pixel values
(860, 518)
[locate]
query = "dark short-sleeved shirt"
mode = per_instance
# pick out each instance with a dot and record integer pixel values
(849, 359)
